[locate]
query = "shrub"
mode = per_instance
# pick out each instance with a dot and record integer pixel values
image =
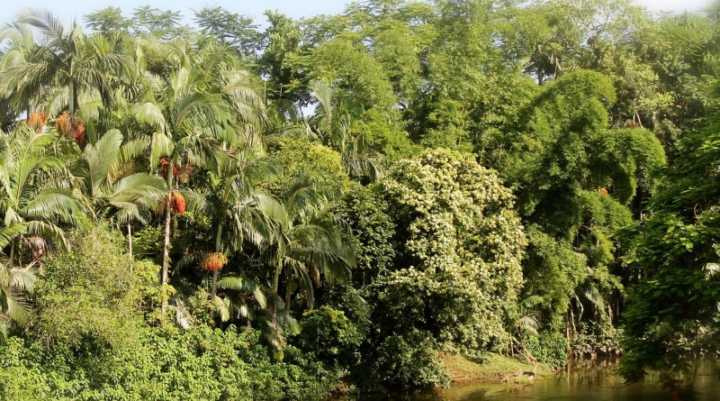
(90, 292)
(297, 157)
(364, 214)
(405, 361)
(331, 336)
(596, 340)
(549, 348)
(458, 269)
(166, 365)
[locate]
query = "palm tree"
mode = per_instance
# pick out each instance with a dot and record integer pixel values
(109, 190)
(29, 202)
(61, 65)
(308, 244)
(202, 104)
(14, 283)
(240, 290)
(334, 131)
(241, 213)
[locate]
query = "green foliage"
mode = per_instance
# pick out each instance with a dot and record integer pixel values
(90, 292)
(578, 183)
(30, 203)
(553, 270)
(682, 51)
(301, 158)
(406, 361)
(330, 335)
(593, 341)
(364, 214)
(108, 20)
(236, 30)
(362, 92)
(345, 63)
(671, 317)
(548, 347)
(200, 364)
(147, 243)
(369, 174)
(458, 269)
(282, 61)
(22, 380)
(16, 284)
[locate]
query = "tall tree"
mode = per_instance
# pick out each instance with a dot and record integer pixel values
(32, 203)
(111, 193)
(204, 103)
(64, 62)
(233, 29)
(672, 315)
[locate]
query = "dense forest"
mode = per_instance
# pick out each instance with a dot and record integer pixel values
(217, 208)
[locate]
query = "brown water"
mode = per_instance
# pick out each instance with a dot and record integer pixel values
(596, 384)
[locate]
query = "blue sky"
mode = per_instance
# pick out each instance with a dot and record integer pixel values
(69, 9)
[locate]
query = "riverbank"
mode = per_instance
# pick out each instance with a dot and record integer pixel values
(494, 369)
(585, 382)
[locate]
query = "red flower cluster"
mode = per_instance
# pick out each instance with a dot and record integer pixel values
(214, 262)
(71, 127)
(37, 120)
(177, 201)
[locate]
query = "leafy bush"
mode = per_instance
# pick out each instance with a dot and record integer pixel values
(199, 364)
(300, 157)
(405, 361)
(330, 335)
(365, 215)
(90, 292)
(549, 348)
(458, 269)
(147, 243)
(594, 340)
(21, 377)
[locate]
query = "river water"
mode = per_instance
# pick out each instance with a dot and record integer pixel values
(600, 383)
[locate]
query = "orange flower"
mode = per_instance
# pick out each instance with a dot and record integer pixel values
(37, 120)
(214, 262)
(78, 131)
(178, 203)
(63, 123)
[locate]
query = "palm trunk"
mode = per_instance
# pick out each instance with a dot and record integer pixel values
(130, 240)
(12, 253)
(276, 290)
(213, 290)
(276, 279)
(218, 248)
(165, 278)
(71, 106)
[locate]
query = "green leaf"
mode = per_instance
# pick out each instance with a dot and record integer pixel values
(151, 114)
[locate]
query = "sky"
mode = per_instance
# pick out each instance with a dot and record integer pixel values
(68, 10)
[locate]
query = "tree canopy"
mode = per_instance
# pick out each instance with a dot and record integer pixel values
(211, 207)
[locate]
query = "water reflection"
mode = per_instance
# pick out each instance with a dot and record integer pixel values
(598, 383)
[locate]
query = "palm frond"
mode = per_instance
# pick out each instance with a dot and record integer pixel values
(160, 146)
(151, 114)
(101, 157)
(134, 148)
(47, 230)
(9, 233)
(48, 24)
(53, 205)
(23, 279)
